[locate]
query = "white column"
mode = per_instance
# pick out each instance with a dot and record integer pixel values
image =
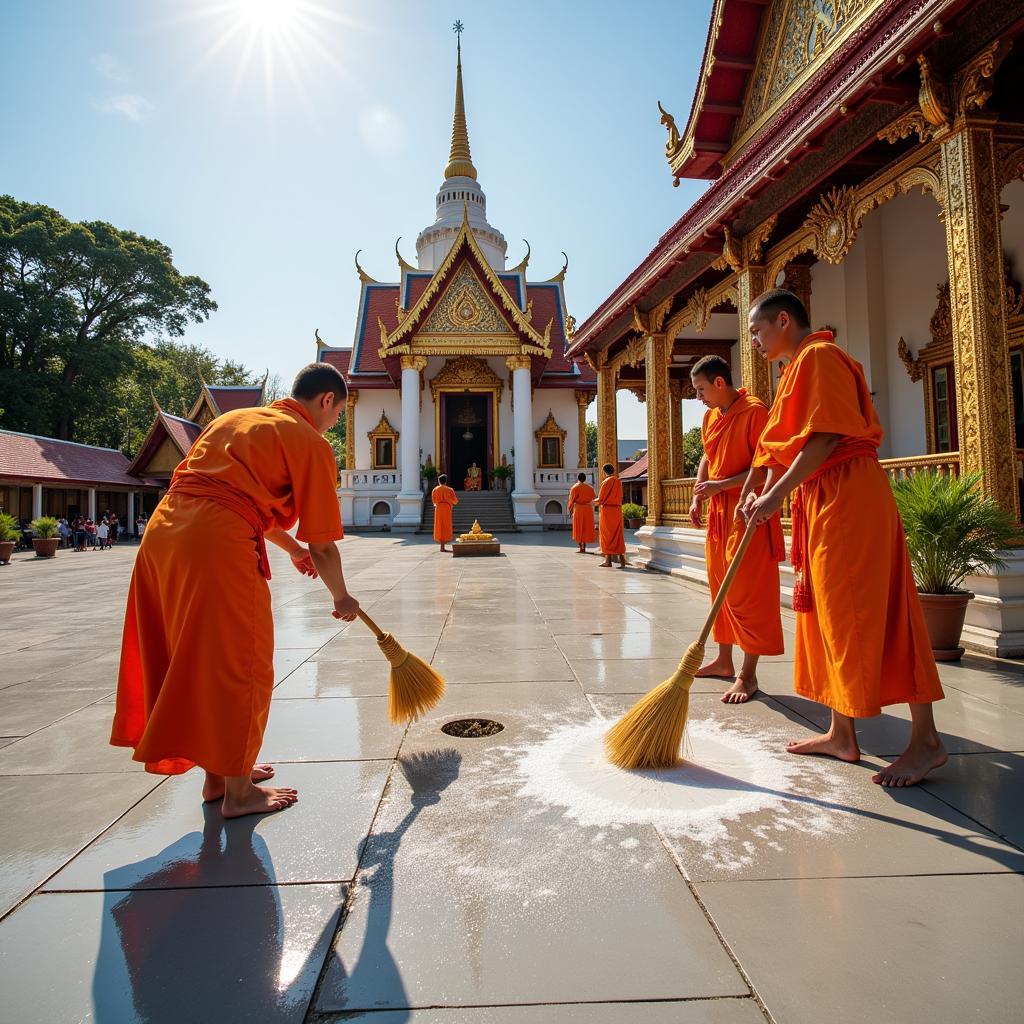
(524, 497)
(37, 500)
(410, 497)
(92, 504)
(129, 527)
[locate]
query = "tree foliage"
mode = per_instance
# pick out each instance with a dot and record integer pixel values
(693, 451)
(76, 300)
(591, 444)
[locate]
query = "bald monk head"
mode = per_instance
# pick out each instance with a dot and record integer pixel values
(320, 389)
(778, 323)
(582, 477)
(442, 479)
(712, 380)
(609, 469)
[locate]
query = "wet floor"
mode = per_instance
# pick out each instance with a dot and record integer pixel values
(507, 879)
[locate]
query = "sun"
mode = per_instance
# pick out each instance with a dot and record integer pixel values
(270, 16)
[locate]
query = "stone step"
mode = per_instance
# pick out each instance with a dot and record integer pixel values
(493, 509)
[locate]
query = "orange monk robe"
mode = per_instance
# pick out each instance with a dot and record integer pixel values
(751, 616)
(863, 644)
(609, 503)
(581, 508)
(444, 499)
(197, 665)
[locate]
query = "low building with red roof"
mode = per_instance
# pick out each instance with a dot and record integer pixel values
(461, 363)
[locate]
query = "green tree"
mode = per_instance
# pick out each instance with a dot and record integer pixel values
(591, 444)
(75, 301)
(693, 451)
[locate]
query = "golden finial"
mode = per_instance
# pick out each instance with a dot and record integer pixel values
(460, 161)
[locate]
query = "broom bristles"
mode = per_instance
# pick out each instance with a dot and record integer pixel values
(414, 686)
(649, 735)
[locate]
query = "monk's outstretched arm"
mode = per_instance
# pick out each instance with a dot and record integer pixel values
(284, 540)
(811, 458)
(327, 560)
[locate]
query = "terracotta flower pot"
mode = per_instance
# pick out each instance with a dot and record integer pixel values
(6, 547)
(635, 524)
(944, 616)
(46, 547)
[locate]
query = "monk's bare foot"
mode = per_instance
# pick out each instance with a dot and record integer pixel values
(213, 787)
(912, 765)
(717, 669)
(258, 800)
(741, 691)
(606, 564)
(827, 746)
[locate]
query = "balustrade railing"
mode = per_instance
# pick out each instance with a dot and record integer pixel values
(676, 497)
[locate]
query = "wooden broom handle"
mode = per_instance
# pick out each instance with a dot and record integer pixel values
(734, 565)
(377, 631)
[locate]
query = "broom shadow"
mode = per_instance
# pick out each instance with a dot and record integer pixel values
(376, 978)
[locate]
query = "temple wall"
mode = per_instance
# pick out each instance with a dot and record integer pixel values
(367, 416)
(1013, 227)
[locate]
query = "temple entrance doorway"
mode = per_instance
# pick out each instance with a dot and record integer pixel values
(468, 439)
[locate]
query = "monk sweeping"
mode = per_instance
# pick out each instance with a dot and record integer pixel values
(197, 667)
(751, 617)
(581, 508)
(444, 500)
(861, 643)
(609, 503)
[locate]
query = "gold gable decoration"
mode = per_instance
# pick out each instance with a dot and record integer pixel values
(466, 309)
(465, 372)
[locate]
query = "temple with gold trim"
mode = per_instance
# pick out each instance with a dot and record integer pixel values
(869, 156)
(461, 364)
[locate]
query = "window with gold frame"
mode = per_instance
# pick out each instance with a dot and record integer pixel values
(383, 444)
(550, 444)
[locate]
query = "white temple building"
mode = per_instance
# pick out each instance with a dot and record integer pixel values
(459, 366)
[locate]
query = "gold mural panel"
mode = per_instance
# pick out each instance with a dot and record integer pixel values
(466, 309)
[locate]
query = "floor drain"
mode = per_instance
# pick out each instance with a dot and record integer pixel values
(472, 728)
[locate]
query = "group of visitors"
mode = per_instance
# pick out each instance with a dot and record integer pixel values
(81, 533)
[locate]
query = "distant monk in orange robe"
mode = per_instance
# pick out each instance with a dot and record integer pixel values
(444, 500)
(581, 508)
(609, 503)
(197, 667)
(751, 617)
(861, 643)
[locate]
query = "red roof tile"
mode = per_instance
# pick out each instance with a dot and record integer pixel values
(230, 398)
(637, 471)
(50, 461)
(182, 432)
(378, 301)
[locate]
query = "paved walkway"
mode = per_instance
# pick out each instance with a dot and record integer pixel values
(515, 879)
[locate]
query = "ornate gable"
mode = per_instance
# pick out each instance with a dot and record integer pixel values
(465, 309)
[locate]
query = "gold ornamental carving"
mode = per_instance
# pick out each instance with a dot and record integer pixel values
(350, 428)
(417, 363)
(932, 95)
(914, 367)
(570, 327)
(607, 418)
(583, 400)
(675, 141)
(659, 452)
(518, 363)
(465, 309)
(699, 309)
(755, 373)
(550, 429)
(973, 84)
(834, 225)
(741, 252)
(465, 372)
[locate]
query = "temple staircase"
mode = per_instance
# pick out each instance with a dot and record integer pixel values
(493, 509)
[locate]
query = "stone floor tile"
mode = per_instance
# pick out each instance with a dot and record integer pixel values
(355, 729)
(362, 646)
(173, 836)
(24, 709)
(485, 665)
(336, 679)
(1001, 682)
(622, 646)
(78, 743)
(624, 622)
(636, 677)
(246, 953)
(48, 819)
(18, 666)
(910, 949)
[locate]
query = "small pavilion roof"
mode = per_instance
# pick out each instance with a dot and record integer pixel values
(49, 460)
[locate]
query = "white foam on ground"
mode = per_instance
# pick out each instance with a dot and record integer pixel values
(728, 775)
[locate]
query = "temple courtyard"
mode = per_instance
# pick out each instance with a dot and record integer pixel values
(513, 878)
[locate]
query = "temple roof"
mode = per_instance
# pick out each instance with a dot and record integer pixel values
(638, 471)
(181, 432)
(50, 460)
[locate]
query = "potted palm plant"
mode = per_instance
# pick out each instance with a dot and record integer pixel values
(429, 474)
(8, 537)
(634, 514)
(953, 530)
(46, 536)
(501, 476)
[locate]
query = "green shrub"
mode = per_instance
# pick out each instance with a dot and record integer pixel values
(429, 471)
(953, 529)
(8, 527)
(631, 510)
(502, 472)
(45, 527)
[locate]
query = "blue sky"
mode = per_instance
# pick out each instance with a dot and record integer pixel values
(265, 152)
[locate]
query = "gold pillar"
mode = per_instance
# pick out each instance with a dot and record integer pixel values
(350, 429)
(583, 400)
(977, 300)
(675, 429)
(607, 419)
(658, 448)
(755, 373)
(798, 281)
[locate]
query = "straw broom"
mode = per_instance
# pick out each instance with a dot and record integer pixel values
(414, 686)
(649, 735)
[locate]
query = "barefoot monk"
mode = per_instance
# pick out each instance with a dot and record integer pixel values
(861, 643)
(609, 504)
(751, 617)
(197, 665)
(444, 500)
(581, 508)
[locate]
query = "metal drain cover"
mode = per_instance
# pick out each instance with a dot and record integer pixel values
(472, 728)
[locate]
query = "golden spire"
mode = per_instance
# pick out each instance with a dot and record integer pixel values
(460, 160)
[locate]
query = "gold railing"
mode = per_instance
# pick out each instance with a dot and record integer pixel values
(676, 495)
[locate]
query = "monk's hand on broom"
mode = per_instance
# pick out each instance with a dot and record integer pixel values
(346, 608)
(303, 561)
(758, 510)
